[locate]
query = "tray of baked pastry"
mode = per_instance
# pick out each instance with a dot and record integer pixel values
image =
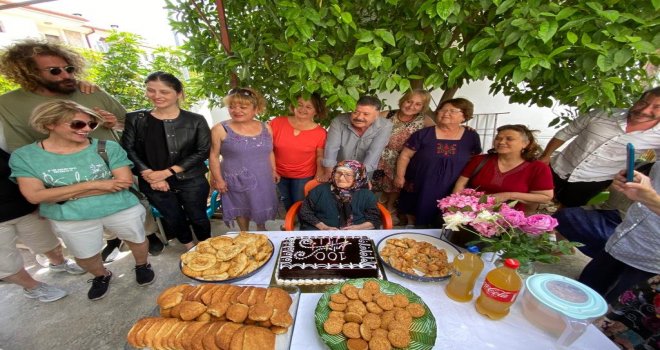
(218, 316)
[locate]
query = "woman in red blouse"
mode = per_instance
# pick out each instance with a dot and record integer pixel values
(512, 172)
(298, 144)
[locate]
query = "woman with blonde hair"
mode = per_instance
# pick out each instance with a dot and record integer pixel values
(511, 171)
(246, 177)
(412, 115)
(79, 192)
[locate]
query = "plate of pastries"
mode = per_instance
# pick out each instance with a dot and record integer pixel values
(369, 313)
(227, 258)
(218, 316)
(417, 256)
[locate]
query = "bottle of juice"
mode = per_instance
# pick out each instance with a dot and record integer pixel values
(467, 267)
(499, 290)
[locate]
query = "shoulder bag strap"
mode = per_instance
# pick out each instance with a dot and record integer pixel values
(100, 149)
(479, 166)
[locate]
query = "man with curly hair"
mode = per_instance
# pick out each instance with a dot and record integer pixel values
(47, 71)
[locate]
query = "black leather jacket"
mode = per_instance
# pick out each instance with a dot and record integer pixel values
(188, 142)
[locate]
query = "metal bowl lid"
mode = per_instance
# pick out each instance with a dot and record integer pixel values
(566, 296)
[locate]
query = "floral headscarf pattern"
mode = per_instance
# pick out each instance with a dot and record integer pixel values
(360, 180)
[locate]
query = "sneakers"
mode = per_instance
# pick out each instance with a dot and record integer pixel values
(144, 275)
(69, 266)
(155, 244)
(111, 250)
(45, 293)
(99, 287)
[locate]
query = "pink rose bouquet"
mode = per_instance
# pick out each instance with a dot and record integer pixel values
(503, 229)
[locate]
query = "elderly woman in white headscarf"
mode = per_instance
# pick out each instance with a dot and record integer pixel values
(345, 203)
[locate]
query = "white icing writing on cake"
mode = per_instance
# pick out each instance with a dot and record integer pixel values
(330, 249)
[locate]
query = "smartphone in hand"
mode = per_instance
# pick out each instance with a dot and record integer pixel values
(630, 162)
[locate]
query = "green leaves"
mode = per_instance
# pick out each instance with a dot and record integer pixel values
(547, 30)
(531, 50)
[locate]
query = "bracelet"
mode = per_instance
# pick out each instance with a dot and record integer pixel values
(172, 171)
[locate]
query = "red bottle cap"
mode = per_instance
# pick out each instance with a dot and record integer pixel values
(512, 263)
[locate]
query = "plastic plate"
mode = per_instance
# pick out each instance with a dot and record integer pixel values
(422, 331)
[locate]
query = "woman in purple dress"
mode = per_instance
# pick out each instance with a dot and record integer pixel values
(246, 177)
(432, 160)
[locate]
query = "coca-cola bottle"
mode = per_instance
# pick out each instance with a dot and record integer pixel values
(499, 290)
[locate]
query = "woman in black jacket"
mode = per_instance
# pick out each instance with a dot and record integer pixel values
(168, 147)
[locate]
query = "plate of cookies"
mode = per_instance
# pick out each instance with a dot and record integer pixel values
(227, 258)
(417, 256)
(218, 316)
(374, 314)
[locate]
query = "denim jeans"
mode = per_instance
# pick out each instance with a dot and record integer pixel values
(292, 190)
(182, 207)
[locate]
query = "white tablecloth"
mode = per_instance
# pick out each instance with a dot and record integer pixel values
(459, 325)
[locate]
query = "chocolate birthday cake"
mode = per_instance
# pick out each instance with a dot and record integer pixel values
(323, 260)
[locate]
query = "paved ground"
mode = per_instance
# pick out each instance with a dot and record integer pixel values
(76, 323)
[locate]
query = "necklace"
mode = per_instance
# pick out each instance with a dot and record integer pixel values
(399, 116)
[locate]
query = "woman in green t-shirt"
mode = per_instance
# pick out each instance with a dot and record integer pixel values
(79, 192)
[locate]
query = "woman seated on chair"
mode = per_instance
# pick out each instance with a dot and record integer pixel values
(511, 171)
(345, 203)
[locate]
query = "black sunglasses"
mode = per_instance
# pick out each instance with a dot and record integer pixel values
(240, 91)
(58, 70)
(79, 124)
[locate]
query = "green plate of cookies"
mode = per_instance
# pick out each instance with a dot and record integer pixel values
(375, 314)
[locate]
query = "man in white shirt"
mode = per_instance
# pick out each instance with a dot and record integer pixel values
(590, 162)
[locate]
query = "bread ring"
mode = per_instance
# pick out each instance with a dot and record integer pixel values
(201, 262)
(190, 272)
(204, 247)
(227, 253)
(220, 241)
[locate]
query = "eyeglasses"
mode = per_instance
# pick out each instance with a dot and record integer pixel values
(58, 70)
(345, 175)
(240, 91)
(79, 124)
(453, 111)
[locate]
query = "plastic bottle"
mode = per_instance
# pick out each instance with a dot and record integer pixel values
(467, 267)
(489, 259)
(499, 290)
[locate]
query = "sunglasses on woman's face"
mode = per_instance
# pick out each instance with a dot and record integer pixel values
(79, 124)
(59, 70)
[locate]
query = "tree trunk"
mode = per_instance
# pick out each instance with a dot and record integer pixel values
(449, 93)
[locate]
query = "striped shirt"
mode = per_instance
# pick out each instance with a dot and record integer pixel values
(599, 149)
(636, 241)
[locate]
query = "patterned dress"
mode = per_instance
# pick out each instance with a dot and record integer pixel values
(401, 131)
(248, 173)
